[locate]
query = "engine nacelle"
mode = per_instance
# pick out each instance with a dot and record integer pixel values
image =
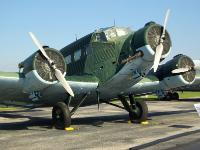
(147, 39)
(172, 80)
(38, 72)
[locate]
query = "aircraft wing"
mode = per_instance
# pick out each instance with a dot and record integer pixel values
(148, 85)
(12, 84)
(177, 73)
(193, 87)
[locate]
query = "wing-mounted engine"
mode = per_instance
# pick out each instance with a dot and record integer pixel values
(39, 73)
(177, 72)
(43, 68)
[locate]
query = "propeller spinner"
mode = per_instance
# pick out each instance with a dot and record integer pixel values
(58, 73)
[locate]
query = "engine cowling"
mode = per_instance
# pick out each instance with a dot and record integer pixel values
(172, 80)
(38, 72)
(147, 39)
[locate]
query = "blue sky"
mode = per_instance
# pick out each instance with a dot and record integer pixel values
(55, 23)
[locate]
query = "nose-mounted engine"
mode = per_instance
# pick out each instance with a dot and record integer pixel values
(153, 41)
(148, 38)
(177, 72)
(38, 72)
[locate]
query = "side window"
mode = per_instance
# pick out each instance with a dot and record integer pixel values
(68, 59)
(88, 50)
(84, 52)
(77, 55)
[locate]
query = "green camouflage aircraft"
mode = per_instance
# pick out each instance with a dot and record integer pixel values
(99, 67)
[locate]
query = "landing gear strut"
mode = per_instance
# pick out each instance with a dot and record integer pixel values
(138, 110)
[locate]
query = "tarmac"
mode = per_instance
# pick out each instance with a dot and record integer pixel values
(171, 125)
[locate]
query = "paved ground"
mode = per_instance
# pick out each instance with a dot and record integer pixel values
(172, 125)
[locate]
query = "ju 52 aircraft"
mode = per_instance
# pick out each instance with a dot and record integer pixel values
(97, 68)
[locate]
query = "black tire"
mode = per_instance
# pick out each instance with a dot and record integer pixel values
(175, 96)
(168, 97)
(141, 114)
(61, 117)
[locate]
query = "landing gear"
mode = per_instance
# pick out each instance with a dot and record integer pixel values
(175, 96)
(61, 117)
(138, 110)
(171, 96)
(140, 113)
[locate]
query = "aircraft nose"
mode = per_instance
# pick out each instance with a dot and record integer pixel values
(148, 38)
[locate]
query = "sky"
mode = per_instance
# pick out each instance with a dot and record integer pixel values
(57, 22)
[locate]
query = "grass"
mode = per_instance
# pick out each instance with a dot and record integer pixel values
(182, 95)
(185, 95)
(8, 108)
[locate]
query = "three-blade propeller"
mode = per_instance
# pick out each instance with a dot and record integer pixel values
(58, 73)
(160, 47)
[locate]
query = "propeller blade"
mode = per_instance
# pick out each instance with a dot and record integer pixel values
(64, 83)
(180, 70)
(58, 73)
(165, 23)
(158, 54)
(159, 48)
(39, 46)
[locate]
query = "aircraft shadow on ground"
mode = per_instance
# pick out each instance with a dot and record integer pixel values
(45, 123)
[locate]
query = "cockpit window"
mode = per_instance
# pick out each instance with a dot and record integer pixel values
(121, 32)
(106, 34)
(100, 37)
(110, 34)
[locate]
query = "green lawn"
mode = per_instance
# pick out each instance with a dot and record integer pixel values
(9, 108)
(183, 95)
(189, 94)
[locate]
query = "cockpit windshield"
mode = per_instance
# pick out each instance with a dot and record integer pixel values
(107, 34)
(100, 37)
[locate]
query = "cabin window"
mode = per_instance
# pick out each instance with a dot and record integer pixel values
(88, 50)
(84, 52)
(68, 59)
(77, 55)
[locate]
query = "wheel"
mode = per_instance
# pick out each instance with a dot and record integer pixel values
(61, 117)
(140, 112)
(175, 96)
(168, 97)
